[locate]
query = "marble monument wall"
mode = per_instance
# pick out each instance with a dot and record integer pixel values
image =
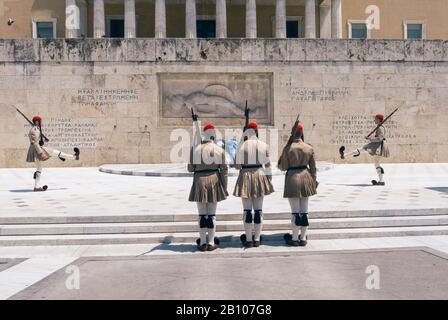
(120, 100)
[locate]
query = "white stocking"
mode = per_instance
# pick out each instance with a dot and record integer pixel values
(211, 209)
(295, 208)
(202, 210)
(258, 205)
(378, 168)
(37, 173)
(61, 154)
(247, 205)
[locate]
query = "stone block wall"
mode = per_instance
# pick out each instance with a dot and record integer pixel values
(104, 95)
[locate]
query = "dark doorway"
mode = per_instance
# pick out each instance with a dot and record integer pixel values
(206, 28)
(117, 28)
(292, 29)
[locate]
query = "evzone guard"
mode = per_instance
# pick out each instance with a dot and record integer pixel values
(208, 163)
(254, 181)
(376, 147)
(38, 153)
(297, 159)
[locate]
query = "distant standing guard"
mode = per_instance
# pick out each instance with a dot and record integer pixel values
(376, 147)
(254, 182)
(38, 153)
(300, 183)
(208, 163)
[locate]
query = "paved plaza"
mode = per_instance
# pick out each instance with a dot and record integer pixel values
(311, 276)
(87, 191)
(170, 270)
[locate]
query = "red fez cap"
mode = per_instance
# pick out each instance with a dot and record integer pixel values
(37, 118)
(299, 127)
(379, 116)
(252, 125)
(209, 127)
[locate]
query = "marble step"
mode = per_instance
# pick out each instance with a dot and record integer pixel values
(222, 226)
(225, 237)
(126, 217)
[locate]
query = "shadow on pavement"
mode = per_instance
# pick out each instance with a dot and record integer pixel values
(439, 189)
(191, 247)
(31, 190)
(350, 185)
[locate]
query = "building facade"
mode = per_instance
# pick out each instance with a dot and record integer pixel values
(117, 78)
(375, 19)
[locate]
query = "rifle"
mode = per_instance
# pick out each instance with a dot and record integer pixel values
(198, 137)
(294, 130)
(31, 123)
(382, 122)
(246, 115)
(292, 136)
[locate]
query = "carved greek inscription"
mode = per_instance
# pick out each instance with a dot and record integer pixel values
(104, 97)
(315, 94)
(351, 129)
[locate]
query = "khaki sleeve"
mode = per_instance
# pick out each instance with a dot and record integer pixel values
(379, 136)
(34, 136)
(283, 163)
(224, 168)
(312, 164)
(267, 162)
(191, 167)
(239, 157)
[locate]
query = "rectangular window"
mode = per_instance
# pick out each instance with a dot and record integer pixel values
(206, 28)
(44, 29)
(293, 26)
(358, 30)
(292, 29)
(414, 31)
(116, 28)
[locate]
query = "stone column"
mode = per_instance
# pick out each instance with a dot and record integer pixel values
(72, 19)
(336, 19)
(251, 19)
(129, 19)
(99, 22)
(310, 19)
(325, 22)
(160, 27)
(83, 18)
(280, 19)
(221, 19)
(190, 19)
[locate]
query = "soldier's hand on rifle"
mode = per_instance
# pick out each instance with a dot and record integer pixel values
(194, 116)
(41, 143)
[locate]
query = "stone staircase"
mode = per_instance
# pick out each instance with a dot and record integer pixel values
(182, 228)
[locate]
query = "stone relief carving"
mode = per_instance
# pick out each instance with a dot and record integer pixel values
(215, 95)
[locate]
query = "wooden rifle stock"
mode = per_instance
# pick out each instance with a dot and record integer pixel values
(382, 122)
(31, 123)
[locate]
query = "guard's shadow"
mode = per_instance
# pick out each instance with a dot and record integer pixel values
(173, 247)
(350, 185)
(31, 190)
(273, 240)
(439, 189)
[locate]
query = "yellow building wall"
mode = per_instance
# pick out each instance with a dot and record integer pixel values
(23, 11)
(392, 15)
(394, 12)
